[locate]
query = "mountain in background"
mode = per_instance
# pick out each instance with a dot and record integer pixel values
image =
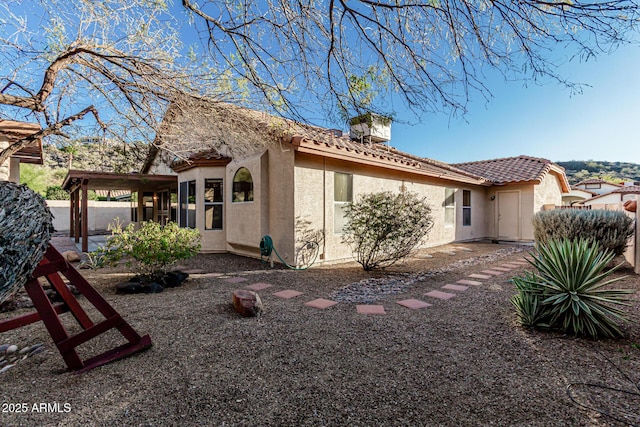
(616, 172)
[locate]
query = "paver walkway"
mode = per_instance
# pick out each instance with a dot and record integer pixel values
(435, 295)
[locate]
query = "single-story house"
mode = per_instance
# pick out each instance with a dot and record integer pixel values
(297, 182)
(596, 185)
(10, 132)
(618, 196)
(576, 196)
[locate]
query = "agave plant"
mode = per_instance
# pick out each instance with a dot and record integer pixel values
(568, 290)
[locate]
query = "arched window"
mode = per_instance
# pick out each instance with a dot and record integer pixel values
(242, 186)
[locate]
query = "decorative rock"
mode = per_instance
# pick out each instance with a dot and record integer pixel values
(6, 368)
(37, 350)
(25, 350)
(247, 303)
(4, 347)
(129, 288)
(174, 278)
(11, 349)
(72, 256)
(153, 288)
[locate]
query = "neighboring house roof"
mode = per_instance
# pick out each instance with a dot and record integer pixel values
(582, 190)
(629, 189)
(515, 170)
(596, 181)
(15, 131)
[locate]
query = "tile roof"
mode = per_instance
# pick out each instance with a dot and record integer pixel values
(628, 189)
(328, 142)
(509, 170)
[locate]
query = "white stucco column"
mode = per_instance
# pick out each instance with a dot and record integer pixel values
(4, 168)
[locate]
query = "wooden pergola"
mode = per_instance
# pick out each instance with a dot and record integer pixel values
(78, 183)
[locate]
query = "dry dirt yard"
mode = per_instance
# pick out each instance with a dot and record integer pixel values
(462, 361)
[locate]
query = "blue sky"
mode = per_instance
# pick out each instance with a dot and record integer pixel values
(546, 120)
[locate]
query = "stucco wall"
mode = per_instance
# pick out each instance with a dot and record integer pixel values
(548, 192)
(244, 219)
(100, 214)
(314, 201)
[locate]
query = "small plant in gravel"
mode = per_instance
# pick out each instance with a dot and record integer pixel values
(567, 292)
(383, 228)
(152, 248)
(611, 229)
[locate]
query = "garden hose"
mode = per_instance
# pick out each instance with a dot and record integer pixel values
(266, 248)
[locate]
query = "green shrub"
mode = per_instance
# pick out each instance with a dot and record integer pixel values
(152, 248)
(383, 228)
(567, 290)
(610, 229)
(55, 192)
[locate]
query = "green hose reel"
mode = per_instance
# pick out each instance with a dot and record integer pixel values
(267, 248)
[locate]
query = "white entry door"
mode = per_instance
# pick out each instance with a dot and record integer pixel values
(508, 215)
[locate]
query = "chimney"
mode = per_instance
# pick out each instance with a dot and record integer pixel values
(370, 128)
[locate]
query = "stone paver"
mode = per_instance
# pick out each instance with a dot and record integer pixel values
(321, 303)
(414, 304)
(440, 295)
(289, 293)
(509, 265)
(492, 272)
(206, 275)
(480, 276)
(237, 280)
(505, 269)
(458, 288)
(370, 309)
(469, 282)
(194, 271)
(259, 286)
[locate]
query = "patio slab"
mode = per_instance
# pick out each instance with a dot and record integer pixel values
(287, 294)
(194, 271)
(321, 303)
(414, 304)
(469, 282)
(458, 288)
(237, 280)
(510, 265)
(440, 295)
(370, 309)
(259, 286)
(480, 276)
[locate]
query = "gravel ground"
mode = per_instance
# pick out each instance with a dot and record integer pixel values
(460, 362)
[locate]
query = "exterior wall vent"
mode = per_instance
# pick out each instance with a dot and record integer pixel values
(370, 128)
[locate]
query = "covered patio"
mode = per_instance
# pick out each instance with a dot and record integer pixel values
(156, 197)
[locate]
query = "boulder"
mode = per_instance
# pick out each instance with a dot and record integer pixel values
(174, 278)
(129, 288)
(72, 256)
(247, 303)
(631, 206)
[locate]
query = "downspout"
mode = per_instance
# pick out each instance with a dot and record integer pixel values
(324, 207)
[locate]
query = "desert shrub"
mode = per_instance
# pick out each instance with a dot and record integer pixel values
(55, 192)
(610, 229)
(151, 248)
(383, 228)
(567, 291)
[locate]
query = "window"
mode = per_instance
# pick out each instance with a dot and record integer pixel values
(188, 204)
(213, 197)
(342, 197)
(449, 207)
(242, 186)
(466, 207)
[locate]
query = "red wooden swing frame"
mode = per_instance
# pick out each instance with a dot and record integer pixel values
(52, 265)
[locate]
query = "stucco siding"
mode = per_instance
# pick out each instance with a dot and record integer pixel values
(315, 206)
(548, 192)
